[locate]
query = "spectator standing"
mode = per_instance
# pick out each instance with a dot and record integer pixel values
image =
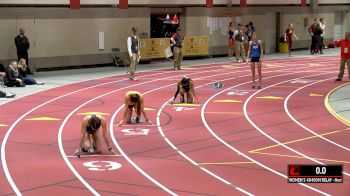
(231, 40)
(239, 43)
(344, 45)
(178, 40)
(311, 30)
(22, 45)
(134, 52)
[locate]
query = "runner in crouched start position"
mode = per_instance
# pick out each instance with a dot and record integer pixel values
(134, 101)
(92, 128)
(185, 86)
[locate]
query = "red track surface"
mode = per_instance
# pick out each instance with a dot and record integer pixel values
(211, 149)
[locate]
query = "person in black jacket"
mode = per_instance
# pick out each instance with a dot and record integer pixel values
(22, 45)
(2, 93)
(318, 38)
(12, 77)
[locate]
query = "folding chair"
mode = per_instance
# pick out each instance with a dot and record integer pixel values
(116, 56)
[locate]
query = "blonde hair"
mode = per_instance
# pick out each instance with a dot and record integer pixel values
(21, 63)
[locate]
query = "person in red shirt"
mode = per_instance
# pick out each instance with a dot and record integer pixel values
(344, 45)
(288, 37)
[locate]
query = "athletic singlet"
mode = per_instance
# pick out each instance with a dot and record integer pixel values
(230, 33)
(255, 50)
(187, 87)
(289, 33)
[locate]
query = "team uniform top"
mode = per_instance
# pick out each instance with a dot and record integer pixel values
(255, 50)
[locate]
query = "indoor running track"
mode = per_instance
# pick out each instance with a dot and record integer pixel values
(237, 141)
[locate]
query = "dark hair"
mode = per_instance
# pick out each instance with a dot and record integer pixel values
(134, 29)
(93, 124)
(250, 23)
(185, 81)
(135, 98)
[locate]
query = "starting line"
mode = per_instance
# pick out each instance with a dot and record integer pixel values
(95, 155)
(136, 125)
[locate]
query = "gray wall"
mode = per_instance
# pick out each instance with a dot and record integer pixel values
(63, 37)
(264, 19)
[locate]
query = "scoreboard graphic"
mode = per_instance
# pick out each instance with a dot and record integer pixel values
(315, 173)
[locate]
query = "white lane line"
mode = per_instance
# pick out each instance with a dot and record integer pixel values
(303, 126)
(3, 146)
(94, 155)
(273, 139)
(188, 158)
(166, 139)
(137, 125)
(111, 130)
(7, 135)
(158, 72)
(236, 150)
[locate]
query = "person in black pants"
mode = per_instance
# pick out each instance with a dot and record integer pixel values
(318, 38)
(311, 29)
(12, 77)
(22, 45)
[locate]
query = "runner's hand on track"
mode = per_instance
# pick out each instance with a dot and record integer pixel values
(77, 153)
(112, 152)
(120, 123)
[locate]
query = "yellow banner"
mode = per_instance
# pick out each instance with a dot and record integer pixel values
(196, 46)
(153, 48)
(193, 46)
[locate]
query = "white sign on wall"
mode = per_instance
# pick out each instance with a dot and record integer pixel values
(101, 40)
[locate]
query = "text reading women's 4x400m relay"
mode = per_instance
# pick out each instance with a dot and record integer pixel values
(315, 173)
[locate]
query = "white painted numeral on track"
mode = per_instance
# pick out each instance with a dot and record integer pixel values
(102, 165)
(179, 109)
(137, 131)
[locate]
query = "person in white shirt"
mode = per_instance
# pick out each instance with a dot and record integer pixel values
(323, 27)
(239, 43)
(134, 53)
